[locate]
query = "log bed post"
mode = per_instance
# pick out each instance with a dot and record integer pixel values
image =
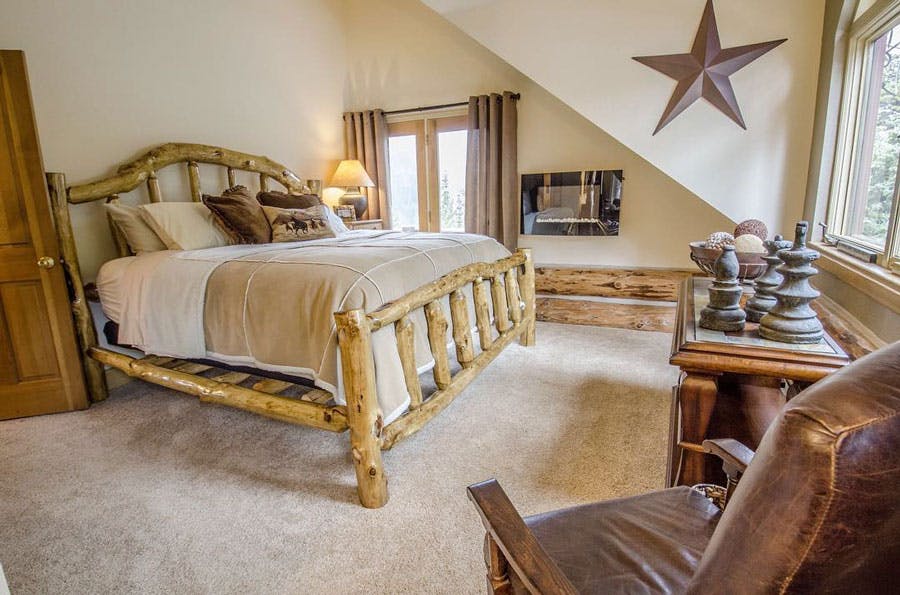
(81, 310)
(526, 287)
(363, 413)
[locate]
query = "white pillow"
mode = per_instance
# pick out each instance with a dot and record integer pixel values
(337, 224)
(139, 236)
(184, 225)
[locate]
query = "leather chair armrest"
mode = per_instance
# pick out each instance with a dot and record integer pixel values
(512, 546)
(731, 452)
(735, 459)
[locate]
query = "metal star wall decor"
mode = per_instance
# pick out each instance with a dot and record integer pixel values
(705, 71)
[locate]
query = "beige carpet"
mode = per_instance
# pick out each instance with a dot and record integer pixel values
(153, 492)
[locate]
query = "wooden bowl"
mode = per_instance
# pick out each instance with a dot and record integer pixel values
(751, 263)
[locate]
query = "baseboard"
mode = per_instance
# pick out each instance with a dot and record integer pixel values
(633, 298)
(613, 314)
(654, 284)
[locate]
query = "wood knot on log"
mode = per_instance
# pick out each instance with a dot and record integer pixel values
(373, 471)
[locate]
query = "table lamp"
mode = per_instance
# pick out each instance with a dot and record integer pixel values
(351, 174)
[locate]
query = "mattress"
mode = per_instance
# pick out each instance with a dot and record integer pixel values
(111, 286)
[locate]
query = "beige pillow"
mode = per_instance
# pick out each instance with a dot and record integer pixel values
(139, 236)
(297, 225)
(184, 225)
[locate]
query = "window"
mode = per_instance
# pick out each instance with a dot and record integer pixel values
(864, 205)
(427, 162)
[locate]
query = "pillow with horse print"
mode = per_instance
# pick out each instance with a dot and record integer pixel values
(297, 225)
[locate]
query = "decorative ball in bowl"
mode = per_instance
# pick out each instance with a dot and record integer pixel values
(751, 264)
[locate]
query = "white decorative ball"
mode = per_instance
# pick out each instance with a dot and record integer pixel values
(718, 239)
(748, 243)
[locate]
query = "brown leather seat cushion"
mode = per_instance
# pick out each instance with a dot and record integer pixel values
(646, 544)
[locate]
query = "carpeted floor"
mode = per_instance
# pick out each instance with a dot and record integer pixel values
(153, 492)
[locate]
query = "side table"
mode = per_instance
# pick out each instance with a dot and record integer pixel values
(731, 384)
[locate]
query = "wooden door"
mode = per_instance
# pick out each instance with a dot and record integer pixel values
(40, 370)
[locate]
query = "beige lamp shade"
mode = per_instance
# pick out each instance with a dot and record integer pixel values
(351, 172)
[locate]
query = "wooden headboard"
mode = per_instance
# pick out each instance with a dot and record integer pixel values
(128, 177)
(143, 170)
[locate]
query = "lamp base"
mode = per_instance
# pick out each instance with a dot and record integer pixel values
(359, 202)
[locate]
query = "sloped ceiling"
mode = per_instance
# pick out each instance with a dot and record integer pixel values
(580, 50)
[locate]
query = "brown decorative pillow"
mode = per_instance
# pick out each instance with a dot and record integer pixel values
(297, 225)
(240, 215)
(282, 200)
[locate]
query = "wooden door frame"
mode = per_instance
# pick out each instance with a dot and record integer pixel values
(433, 127)
(416, 128)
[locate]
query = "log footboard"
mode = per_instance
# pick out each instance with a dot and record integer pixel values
(511, 282)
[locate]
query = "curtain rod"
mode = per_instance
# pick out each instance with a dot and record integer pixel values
(426, 108)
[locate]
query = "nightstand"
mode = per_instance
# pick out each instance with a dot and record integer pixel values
(365, 224)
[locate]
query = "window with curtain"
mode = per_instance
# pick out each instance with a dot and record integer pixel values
(864, 208)
(427, 163)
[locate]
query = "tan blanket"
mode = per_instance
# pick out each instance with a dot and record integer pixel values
(271, 306)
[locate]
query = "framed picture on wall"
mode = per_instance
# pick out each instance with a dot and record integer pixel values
(572, 203)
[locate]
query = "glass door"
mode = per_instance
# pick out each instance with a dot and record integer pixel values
(427, 160)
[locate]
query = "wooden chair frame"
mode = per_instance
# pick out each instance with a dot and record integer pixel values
(510, 548)
(504, 289)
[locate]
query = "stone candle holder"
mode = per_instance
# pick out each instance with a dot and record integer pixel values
(763, 299)
(724, 310)
(791, 319)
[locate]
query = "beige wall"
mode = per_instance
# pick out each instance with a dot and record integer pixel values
(111, 78)
(581, 50)
(404, 55)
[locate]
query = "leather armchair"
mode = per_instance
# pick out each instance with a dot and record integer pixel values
(815, 509)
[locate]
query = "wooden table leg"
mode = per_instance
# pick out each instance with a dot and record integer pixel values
(697, 399)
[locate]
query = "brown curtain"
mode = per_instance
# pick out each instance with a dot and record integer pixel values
(492, 204)
(366, 137)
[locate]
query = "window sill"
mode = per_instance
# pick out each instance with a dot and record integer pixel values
(876, 282)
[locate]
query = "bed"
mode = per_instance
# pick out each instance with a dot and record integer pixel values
(331, 333)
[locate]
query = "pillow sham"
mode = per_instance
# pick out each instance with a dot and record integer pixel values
(184, 225)
(297, 225)
(337, 224)
(139, 236)
(240, 215)
(283, 200)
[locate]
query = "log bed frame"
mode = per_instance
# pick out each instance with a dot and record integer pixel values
(503, 289)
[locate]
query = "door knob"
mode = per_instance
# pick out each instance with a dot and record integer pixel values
(46, 262)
